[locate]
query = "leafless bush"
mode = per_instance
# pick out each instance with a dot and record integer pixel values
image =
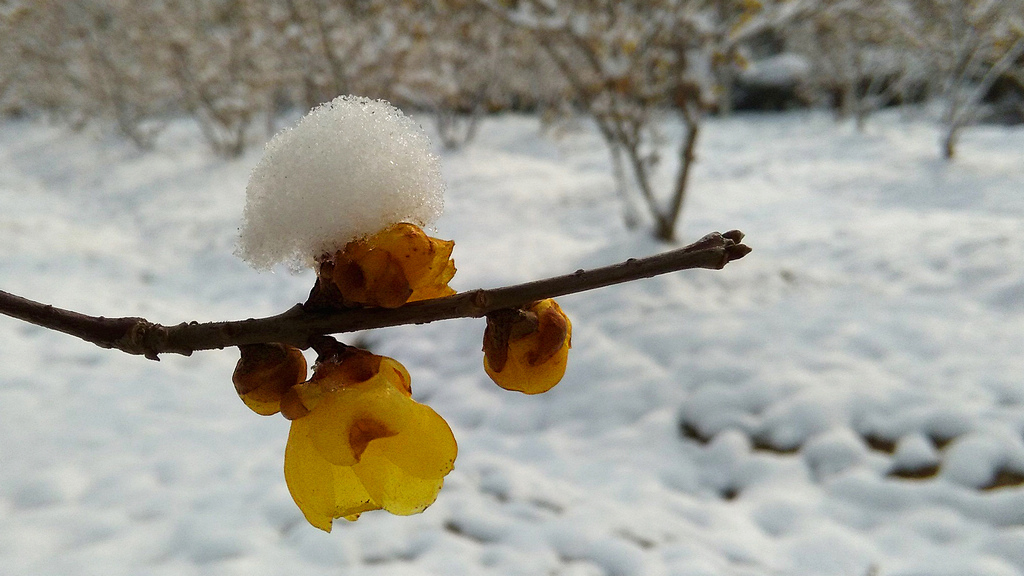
(79, 61)
(970, 44)
(863, 54)
(624, 64)
(627, 62)
(464, 63)
(218, 55)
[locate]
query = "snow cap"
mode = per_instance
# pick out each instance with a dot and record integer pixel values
(348, 169)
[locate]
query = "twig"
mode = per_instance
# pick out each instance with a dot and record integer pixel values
(298, 325)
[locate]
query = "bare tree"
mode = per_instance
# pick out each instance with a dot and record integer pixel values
(863, 54)
(971, 44)
(345, 46)
(627, 62)
(86, 60)
(456, 67)
(221, 56)
(623, 62)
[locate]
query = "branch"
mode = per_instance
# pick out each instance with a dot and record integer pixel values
(297, 325)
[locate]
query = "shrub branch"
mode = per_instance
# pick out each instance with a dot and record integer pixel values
(300, 324)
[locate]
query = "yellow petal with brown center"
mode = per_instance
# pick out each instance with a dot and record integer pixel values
(339, 411)
(365, 444)
(321, 490)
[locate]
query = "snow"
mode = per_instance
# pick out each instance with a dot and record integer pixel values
(782, 70)
(747, 421)
(349, 168)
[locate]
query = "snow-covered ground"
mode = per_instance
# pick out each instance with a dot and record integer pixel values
(847, 400)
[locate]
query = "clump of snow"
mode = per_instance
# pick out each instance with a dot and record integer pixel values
(915, 452)
(834, 452)
(349, 168)
(973, 460)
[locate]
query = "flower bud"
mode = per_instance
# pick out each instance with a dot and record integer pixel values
(526, 350)
(397, 265)
(265, 373)
(294, 402)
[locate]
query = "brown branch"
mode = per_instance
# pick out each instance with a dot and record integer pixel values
(298, 325)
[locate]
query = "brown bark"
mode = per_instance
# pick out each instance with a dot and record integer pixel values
(297, 326)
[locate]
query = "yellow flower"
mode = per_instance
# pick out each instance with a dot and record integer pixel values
(359, 442)
(265, 372)
(397, 265)
(526, 350)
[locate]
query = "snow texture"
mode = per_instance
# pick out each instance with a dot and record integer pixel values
(349, 168)
(846, 400)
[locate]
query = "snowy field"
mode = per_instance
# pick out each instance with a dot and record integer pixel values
(847, 400)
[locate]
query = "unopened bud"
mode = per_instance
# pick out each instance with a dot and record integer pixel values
(526, 350)
(265, 372)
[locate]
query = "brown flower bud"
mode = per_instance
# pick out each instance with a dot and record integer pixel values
(265, 372)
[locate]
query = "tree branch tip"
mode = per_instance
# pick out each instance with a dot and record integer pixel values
(734, 249)
(734, 235)
(737, 251)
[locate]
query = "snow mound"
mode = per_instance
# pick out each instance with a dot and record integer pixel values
(349, 168)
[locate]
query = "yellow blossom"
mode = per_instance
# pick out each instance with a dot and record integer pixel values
(526, 350)
(397, 265)
(359, 442)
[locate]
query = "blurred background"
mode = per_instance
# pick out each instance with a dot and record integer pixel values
(234, 66)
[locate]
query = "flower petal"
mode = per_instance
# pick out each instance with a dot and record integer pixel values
(386, 283)
(393, 371)
(552, 333)
(397, 491)
(365, 444)
(322, 491)
(412, 249)
(426, 447)
(430, 292)
(332, 421)
(364, 430)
